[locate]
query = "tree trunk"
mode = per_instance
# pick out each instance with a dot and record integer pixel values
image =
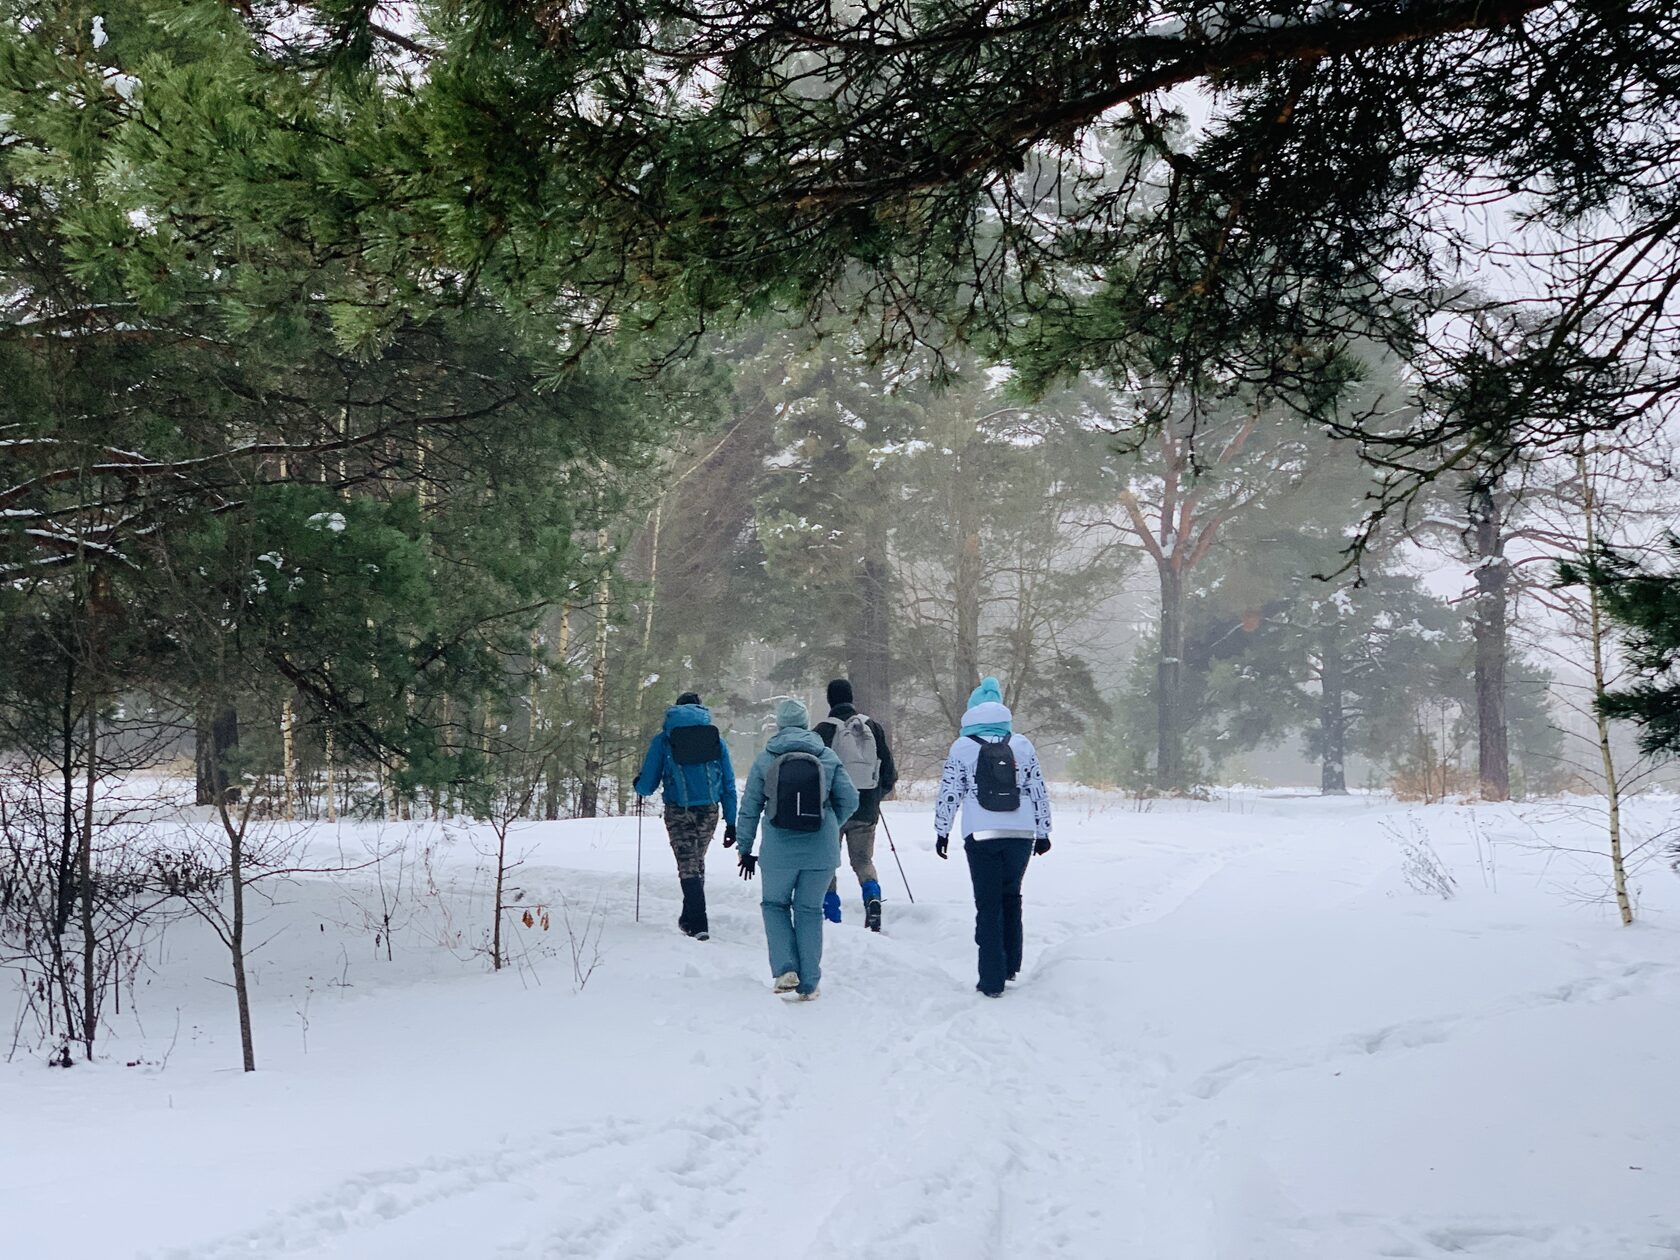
(869, 656)
(213, 739)
(84, 874)
(204, 764)
(589, 795)
(1492, 579)
(236, 946)
(966, 593)
(501, 885)
(288, 761)
(1612, 780)
(332, 778)
(556, 784)
(1169, 677)
(637, 728)
(1332, 717)
(70, 719)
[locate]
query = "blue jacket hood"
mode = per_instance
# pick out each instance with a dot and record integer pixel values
(709, 783)
(687, 715)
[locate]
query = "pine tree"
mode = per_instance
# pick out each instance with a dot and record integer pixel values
(1643, 601)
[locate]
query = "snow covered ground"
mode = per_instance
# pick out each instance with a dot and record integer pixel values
(1240, 1035)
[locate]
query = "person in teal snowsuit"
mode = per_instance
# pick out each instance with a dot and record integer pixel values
(798, 865)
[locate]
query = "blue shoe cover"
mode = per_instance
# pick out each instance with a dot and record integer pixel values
(871, 891)
(831, 907)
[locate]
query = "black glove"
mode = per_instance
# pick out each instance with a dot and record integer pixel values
(728, 834)
(749, 864)
(1041, 846)
(941, 844)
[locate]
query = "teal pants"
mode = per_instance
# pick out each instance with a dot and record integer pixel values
(791, 899)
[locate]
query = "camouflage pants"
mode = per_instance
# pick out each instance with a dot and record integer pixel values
(690, 829)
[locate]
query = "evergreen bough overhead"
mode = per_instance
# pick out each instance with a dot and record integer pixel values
(1214, 195)
(1644, 603)
(1245, 198)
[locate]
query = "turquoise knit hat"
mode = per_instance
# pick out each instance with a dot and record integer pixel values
(791, 712)
(987, 691)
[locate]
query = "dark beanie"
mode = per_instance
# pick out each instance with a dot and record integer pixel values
(839, 692)
(689, 697)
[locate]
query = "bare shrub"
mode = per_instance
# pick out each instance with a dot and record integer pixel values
(1420, 866)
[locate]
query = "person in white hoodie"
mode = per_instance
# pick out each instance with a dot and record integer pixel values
(992, 774)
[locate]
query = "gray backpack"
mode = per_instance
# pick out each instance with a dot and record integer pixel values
(854, 744)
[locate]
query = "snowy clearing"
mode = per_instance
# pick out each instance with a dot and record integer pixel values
(1240, 1033)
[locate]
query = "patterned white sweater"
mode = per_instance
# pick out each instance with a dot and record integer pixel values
(957, 787)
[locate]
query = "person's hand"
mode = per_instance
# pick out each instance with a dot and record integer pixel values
(749, 864)
(940, 846)
(1041, 846)
(728, 835)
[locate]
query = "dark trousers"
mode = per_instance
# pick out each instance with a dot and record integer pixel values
(997, 868)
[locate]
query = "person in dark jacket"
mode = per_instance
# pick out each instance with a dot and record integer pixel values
(859, 833)
(695, 791)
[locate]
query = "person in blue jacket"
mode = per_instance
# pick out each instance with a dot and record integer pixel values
(689, 762)
(798, 864)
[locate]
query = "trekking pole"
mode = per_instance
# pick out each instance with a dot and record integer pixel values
(896, 858)
(638, 859)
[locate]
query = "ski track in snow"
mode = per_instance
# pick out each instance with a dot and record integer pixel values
(1414, 1034)
(931, 1050)
(912, 1120)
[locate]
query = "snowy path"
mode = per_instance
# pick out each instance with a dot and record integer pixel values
(1238, 1037)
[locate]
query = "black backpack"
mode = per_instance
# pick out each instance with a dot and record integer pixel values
(995, 785)
(795, 789)
(695, 745)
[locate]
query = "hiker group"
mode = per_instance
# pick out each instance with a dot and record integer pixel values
(812, 789)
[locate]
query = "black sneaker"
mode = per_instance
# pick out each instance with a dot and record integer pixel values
(872, 914)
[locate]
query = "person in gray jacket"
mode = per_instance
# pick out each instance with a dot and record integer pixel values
(804, 796)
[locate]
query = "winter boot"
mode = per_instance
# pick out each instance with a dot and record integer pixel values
(872, 905)
(683, 925)
(787, 982)
(831, 907)
(692, 920)
(697, 917)
(797, 996)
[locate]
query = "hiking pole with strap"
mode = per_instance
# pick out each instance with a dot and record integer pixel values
(894, 849)
(638, 859)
